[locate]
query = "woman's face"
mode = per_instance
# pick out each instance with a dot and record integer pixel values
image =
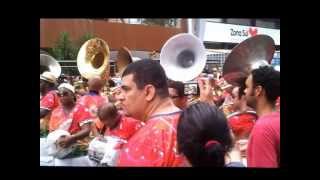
(66, 96)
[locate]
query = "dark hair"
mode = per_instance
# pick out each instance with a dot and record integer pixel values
(177, 85)
(269, 79)
(111, 83)
(148, 71)
(242, 87)
(108, 110)
(198, 124)
(49, 85)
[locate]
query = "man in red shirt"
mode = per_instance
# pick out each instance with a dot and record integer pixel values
(116, 124)
(49, 99)
(242, 120)
(176, 93)
(93, 100)
(48, 94)
(144, 96)
(262, 90)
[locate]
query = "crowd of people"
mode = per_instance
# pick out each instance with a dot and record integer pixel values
(161, 125)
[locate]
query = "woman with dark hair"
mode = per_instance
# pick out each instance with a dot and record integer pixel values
(203, 135)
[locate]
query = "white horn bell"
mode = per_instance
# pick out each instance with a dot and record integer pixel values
(183, 57)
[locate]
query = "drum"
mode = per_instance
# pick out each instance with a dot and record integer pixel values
(103, 150)
(241, 123)
(54, 149)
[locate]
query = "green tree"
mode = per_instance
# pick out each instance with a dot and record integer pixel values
(82, 40)
(64, 48)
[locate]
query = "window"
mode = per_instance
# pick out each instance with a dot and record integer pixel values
(217, 20)
(272, 24)
(170, 22)
(134, 20)
(244, 22)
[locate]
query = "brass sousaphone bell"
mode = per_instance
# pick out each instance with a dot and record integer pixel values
(246, 56)
(93, 59)
(124, 58)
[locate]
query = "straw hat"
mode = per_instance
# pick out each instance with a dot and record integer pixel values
(49, 77)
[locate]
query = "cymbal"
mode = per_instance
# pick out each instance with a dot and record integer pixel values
(246, 56)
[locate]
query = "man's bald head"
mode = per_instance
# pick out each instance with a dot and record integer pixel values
(95, 84)
(108, 113)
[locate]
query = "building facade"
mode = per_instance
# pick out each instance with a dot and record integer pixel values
(146, 36)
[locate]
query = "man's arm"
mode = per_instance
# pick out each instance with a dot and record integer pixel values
(84, 132)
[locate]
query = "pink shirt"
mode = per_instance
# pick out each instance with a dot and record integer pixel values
(264, 142)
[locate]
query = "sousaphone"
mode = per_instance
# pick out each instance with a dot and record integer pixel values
(48, 63)
(183, 57)
(93, 59)
(124, 58)
(246, 56)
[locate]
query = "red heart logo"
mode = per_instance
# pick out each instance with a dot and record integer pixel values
(253, 31)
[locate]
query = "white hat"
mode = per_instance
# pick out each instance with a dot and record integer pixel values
(48, 76)
(67, 86)
(53, 148)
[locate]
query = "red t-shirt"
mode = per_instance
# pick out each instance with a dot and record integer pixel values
(126, 128)
(79, 116)
(50, 100)
(93, 102)
(155, 144)
(264, 142)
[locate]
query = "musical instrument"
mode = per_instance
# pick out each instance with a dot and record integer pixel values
(241, 123)
(79, 148)
(246, 56)
(93, 59)
(53, 148)
(48, 63)
(123, 59)
(183, 57)
(103, 150)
